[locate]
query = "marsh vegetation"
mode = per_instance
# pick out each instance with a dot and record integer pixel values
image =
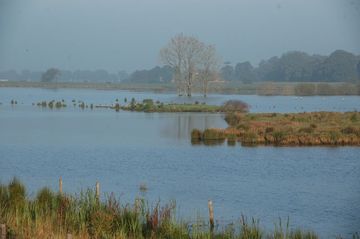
(54, 215)
(314, 128)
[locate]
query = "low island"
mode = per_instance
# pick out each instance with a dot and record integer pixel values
(288, 129)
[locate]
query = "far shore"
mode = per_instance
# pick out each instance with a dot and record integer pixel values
(258, 88)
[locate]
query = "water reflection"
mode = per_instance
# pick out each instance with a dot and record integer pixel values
(180, 125)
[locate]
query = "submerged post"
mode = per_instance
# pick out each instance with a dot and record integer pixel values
(211, 215)
(3, 231)
(60, 186)
(97, 190)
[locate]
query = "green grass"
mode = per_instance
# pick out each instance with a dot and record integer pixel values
(52, 215)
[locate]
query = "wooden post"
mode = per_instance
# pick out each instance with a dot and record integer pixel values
(60, 186)
(69, 236)
(211, 215)
(3, 231)
(97, 190)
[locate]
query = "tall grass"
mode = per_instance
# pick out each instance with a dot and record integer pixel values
(53, 215)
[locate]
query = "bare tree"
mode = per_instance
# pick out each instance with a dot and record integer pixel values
(173, 56)
(188, 57)
(208, 68)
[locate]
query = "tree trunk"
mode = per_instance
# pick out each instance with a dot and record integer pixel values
(188, 85)
(205, 88)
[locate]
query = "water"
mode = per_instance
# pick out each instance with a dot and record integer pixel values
(316, 187)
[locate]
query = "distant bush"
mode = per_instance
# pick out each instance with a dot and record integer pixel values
(232, 118)
(117, 107)
(196, 135)
(235, 106)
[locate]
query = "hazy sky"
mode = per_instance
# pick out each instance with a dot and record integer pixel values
(127, 34)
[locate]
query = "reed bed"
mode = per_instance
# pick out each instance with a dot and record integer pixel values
(313, 128)
(84, 215)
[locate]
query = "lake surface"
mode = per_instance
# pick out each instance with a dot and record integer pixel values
(318, 188)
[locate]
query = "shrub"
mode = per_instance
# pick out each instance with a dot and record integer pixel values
(232, 118)
(196, 135)
(117, 107)
(235, 106)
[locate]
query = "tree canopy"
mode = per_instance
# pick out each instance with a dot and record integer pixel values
(50, 75)
(191, 60)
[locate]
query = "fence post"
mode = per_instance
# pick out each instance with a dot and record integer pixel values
(69, 236)
(211, 215)
(60, 186)
(3, 231)
(97, 190)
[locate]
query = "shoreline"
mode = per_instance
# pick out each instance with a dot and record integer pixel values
(256, 88)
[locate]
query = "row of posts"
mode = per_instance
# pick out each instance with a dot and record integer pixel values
(97, 193)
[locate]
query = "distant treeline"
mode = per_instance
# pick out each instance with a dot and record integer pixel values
(340, 66)
(66, 76)
(296, 66)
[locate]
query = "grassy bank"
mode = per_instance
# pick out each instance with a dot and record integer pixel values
(315, 128)
(54, 215)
